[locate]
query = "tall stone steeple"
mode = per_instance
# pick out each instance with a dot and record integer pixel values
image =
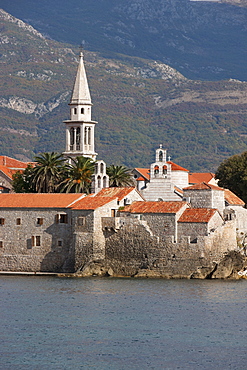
(80, 127)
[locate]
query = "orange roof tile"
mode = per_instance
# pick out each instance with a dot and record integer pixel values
(232, 198)
(144, 172)
(118, 193)
(12, 163)
(154, 207)
(198, 177)
(91, 203)
(176, 167)
(203, 186)
(197, 215)
(9, 173)
(34, 200)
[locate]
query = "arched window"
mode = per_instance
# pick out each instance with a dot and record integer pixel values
(89, 135)
(71, 134)
(102, 167)
(99, 181)
(85, 135)
(161, 156)
(164, 170)
(156, 170)
(78, 138)
(104, 182)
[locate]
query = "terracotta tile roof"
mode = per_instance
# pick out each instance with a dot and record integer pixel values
(176, 167)
(232, 198)
(12, 163)
(144, 172)
(198, 177)
(197, 215)
(203, 186)
(91, 203)
(154, 207)
(140, 179)
(9, 173)
(31, 200)
(118, 193)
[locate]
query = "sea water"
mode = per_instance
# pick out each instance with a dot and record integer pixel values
(107, 323)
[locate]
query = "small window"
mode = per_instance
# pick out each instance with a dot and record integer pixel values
(60, 243)
(36, 241)
(113, 213)
(82, 110)
(40, 221)
(75, 110)
(18, 221)
(2, 221)
(1, 244)
(62, 218)
(81, 221)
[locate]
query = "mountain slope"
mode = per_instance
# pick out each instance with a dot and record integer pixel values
(138, 103)
(203, 40)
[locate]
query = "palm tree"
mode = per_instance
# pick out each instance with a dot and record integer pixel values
(47, 172)
(119, 176)
(79, 175)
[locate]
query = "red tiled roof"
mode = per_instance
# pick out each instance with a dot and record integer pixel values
(197, 215)
(40, 200)
(198, 177)
(154, 207)
(203, 186)
(91, 203)
(232, 198)
(118, 193)
(9, 173)
(176, 167)
(12, 163)
(144, 172)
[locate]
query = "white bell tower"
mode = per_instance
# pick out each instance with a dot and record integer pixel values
(80, 127)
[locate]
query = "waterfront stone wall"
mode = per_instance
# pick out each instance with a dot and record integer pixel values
(34, 240)
(135, 250)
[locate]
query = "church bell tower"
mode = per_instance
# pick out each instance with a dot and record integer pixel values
(80, 127)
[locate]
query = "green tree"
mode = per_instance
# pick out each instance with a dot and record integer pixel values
(78, 177)
(119, 176)
(23, 181)
(232, 174)
(47, 174)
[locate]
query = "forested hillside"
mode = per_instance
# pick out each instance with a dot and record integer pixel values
(139, 103)
(204, 40)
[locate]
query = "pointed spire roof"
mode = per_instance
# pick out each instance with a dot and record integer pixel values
(81, 93)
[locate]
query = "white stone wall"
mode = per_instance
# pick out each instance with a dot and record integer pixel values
(180, 179)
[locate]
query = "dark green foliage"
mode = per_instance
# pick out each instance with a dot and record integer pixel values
(47, 172)
(78, 176)
(23, 181)
(119, 176)
(232, 174)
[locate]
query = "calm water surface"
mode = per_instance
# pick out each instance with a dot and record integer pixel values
(96, 323)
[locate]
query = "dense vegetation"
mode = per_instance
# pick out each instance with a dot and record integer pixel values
(232, 174)
(202, 39)
(53, 174)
